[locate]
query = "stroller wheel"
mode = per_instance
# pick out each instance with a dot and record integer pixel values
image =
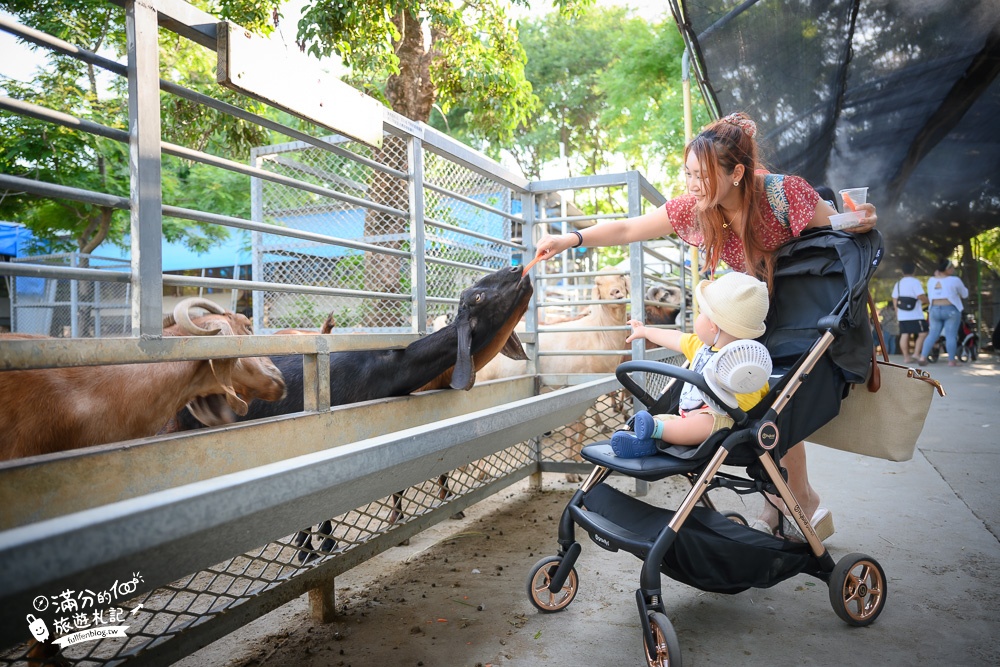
(858, 589)
(666, 651)
(538, 586)
(736, 517)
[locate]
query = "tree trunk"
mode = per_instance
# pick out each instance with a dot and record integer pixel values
(411, 94)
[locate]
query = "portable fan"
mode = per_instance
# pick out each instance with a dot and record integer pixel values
(740, 367)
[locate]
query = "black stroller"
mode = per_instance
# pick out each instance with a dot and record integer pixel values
(819, 339)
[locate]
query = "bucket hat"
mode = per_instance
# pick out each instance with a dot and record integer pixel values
(736, 302)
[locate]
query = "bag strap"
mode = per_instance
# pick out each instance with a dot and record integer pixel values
(875, 379)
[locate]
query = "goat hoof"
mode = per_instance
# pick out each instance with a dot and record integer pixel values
(329, 546)
(306, 557)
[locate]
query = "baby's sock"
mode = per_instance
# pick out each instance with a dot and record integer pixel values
(646, 427)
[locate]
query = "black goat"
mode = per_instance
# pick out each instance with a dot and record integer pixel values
(483, 327)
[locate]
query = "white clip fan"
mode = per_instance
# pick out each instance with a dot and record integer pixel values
(740, 367)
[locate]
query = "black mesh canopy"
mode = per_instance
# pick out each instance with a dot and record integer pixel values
(898, 95)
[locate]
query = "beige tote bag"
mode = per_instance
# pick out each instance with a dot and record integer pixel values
(885, 417)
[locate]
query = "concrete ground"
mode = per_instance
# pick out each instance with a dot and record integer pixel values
(456, 595)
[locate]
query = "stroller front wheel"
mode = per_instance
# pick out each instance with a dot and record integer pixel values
(666, 649)
(858, 589)
(539, 579)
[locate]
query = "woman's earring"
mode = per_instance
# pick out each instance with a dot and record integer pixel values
(736, 184)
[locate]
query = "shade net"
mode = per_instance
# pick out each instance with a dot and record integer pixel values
(898, 95)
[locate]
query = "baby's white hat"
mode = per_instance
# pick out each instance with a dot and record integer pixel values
(736, 302)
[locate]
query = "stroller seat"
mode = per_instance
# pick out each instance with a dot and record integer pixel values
(817, 329)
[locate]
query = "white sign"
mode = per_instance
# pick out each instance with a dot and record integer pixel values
(266, 71)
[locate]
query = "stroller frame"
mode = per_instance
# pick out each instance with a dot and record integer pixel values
(616, 521)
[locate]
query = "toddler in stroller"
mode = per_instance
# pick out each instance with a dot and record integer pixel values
(818, 337)
(733, 309)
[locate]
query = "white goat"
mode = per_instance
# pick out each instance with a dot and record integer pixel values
(55, 409)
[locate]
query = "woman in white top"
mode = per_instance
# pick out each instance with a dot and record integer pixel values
(945, 291)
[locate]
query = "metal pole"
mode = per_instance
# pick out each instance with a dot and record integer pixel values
(145, 196)
(418, 263)
(688, 135)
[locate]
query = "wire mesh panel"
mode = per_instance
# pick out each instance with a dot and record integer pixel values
(364, 204)
(465, 228)
(168, 611)
(66, 308)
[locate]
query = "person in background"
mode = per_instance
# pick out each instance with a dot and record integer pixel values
(909, 299)
(946, 291)
(890, 326)
(739, 216)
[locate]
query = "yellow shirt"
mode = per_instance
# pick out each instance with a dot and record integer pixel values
(690, 344)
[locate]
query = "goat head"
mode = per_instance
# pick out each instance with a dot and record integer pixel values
(494, 304)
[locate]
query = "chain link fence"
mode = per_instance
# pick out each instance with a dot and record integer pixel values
(466, 232)
(67, 308)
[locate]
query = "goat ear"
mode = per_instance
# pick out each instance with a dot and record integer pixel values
(222, 369)
(464, 374)
(512, 348)
(211, 410)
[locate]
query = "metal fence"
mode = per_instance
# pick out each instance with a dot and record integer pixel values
(183, 538)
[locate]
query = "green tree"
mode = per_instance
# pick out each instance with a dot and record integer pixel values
(609, 87)
(56, 154)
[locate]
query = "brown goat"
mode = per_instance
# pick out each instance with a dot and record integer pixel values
(55, 409)
(328, 324)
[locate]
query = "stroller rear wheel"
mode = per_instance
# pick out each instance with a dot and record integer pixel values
(858, 589)
(666, 651)
(539, 579)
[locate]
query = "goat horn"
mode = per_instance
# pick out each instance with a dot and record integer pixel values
(182, 315)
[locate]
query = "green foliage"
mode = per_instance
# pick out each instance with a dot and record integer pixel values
(609, 86)
(474, 60)
(55, 154)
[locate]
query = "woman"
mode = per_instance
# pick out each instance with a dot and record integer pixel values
(739, 216)
(945, 291)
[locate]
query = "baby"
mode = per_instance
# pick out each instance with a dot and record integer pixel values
(733, 307)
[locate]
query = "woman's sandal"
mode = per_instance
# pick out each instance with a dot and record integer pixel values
(822, 523)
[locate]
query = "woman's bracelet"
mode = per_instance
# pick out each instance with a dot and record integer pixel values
(579, 239)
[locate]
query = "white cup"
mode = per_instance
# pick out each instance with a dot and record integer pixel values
(857, 195)
(847, 220)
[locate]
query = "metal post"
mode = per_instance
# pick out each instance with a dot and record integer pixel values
(418, 264)
(635, 264)
(74, 301)
(257, 242)
(146, 198)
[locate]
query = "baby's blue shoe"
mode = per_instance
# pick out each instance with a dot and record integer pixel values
(628, 445)
(643, 425)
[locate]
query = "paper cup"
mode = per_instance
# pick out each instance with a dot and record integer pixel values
(847, 220)
(857, 195)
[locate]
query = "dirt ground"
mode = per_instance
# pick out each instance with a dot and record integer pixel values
(444, 599)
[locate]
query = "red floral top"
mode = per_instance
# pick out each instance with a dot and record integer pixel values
(787, 207)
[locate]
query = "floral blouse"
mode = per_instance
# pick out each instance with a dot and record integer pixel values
(787, 207)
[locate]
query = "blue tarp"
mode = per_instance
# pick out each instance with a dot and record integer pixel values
(15, 239)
